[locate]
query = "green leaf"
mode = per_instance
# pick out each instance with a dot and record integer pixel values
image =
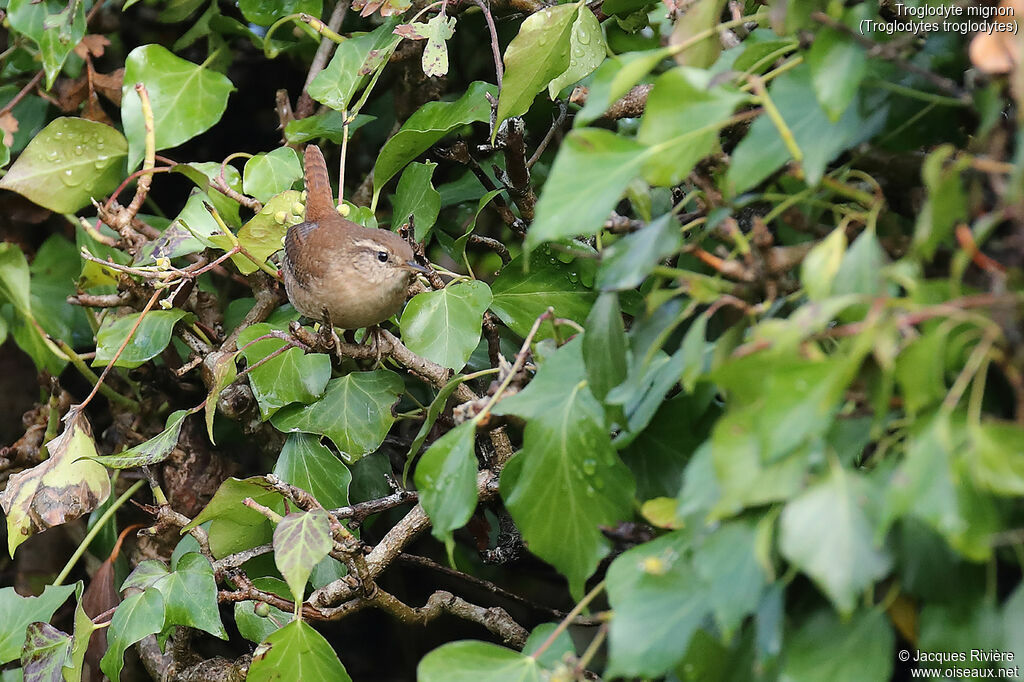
(204, 175)
(54, 270)
(146, 574)
(763, 151)
(59, 489)
(434, 410)
(444, 326)
(446, 479)
(329, 125)
(825, 648)
(470, 661)
(727, 563)
(920, 371)
(821, 265)
(352, 63)
(301, 540)
(658, 455)
(291, 377)
(658, 602)
(354, 412)
(429, 124)
(14, 278)
(555, 651)
(257, 628)
(521, 294)
(139, 615)
(263, 235)
(306, 463)
(537, 55)
(270, 173)
(996, 457)
(20, 611)
(694, 350)
(187, 99)
(614, 78)
(82, 158)
(224, 372)
(861, 269)
(838, 65)
(627, 262)
(567, 481)
(416, 197)
(266, 12)
(52, 28)
(190, 596)
(153, 451)
(605, 346)
(437, 31)
(148, 341)
(946, 204)
(587, 180)
(45, 652)
(826, 532)
(296, 652)
(681, 122)
(587, 49)
(234, 526)
(698, 20)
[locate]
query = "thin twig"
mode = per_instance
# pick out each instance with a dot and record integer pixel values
(499, 67)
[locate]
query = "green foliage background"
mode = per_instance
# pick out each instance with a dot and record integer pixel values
(723, 347)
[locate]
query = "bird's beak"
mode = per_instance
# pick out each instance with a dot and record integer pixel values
(413, 265)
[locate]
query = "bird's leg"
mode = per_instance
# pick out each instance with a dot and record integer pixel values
(328, 336)
(372, 339)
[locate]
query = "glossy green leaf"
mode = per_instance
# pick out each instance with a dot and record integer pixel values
(446, 479)
(14, 278)
(145, 574)
(20, 611)
(727, 563)
(355, 412)
(54, 270)
(838, 65)
(84, 159)
(45, 652)
(521, 297)
(694, 350)
(827, 533)
(416, 197)
(946, 204)
(698, 20)
(658, 602)
(471, 661)
(296, 652)
(628, 261)
(328, 125)
(681, 122)
(352, 63)
(587, 180)
(187, 99)
(997, 457)
(587, 49)
(444, 326)
(861, 269)
(567, 480)
(190, 596)
(52, 27)
(301, 540)
(263, 235)
(821, 265)
(605, 346)
(537, 55)
(292, 376)
(139, 615)
(437, 405)
(824, 647)
(153, 451)
(266, 12)
(204, 175)
(270, 173)
(429, 124)
(306, 463)
(234, 526)
(614, 78)
(257, 628)
(148, 341)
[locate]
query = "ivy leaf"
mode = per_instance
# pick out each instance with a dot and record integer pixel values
(266, 12)
(446, 479)
(82, 158)
(61, 488)
(306, 463)
(605, 348)
(270, 173)
(45, 652)
(153, 451)
(190, 596)
(429, 124)
(416, 197)
(354, 412)
(698, 19)
(204, 174)
(19, 612)
(821, 265)
(437, 31)
(353, 61)
(139, 615)
(521, 294)
(946, 204)
(263, 235)
(148, 341)
(224, 372)
(613, 79)
(235, 527)
(567, 480)
(824, 647)
(658, 602)
(470, 661)
(826, 533)
(627, 262)
(291, 377)
(997, 457)
(587, 49)
(187, 99)
(329, 125)
(587, 179)
(301, 651)
(444, 326)
(301, 540)
(838, 66)
(537, 55)
(52, 28)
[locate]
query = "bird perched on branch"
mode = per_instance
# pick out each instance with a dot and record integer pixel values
(336, 271)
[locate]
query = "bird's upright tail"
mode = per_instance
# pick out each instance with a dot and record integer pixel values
(319, 199)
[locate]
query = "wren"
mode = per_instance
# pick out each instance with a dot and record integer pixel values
(338, 272)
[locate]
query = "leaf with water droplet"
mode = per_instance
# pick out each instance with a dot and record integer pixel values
(49, 173)
(587, 51)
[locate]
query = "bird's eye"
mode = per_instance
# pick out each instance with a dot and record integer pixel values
(382, 256)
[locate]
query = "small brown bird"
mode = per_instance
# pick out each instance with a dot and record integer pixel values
(339, 272)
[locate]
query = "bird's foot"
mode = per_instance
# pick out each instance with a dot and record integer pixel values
(373, 340)
(328, 336)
